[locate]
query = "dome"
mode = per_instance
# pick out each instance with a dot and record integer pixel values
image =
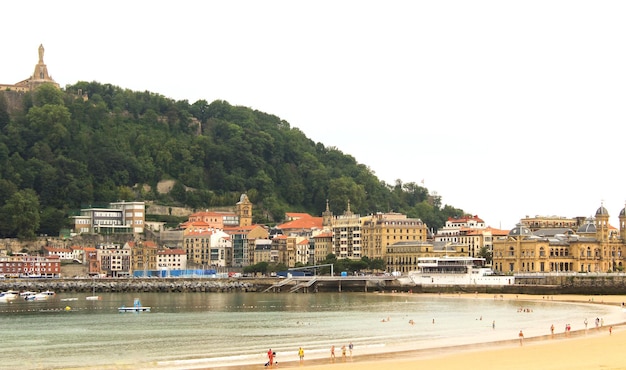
(520, 230)
(622, 213)
(602, 211)
(588, 227)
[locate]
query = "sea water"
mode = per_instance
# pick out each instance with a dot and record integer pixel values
(204, 330)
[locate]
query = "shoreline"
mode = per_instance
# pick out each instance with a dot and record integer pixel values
(599, 348)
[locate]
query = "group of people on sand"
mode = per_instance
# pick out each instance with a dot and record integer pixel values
(343, 351)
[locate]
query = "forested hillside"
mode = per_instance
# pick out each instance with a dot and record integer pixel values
(94, 143)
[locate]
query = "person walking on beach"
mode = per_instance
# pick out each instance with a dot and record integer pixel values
(552, 330)
(343, 353)
(332, 353)
(350, 347)
(270, 358)
(301, 355)
(521, 338)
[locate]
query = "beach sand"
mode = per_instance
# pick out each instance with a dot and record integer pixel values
(583, 349)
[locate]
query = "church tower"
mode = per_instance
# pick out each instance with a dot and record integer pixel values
(622, 224)
(327, 218)
(244, 211)
(602, 224)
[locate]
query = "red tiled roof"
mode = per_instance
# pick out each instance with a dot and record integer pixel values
(303, 223)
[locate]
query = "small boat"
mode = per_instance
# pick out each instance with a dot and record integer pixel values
(25, 294)
(9, 295)
(93, 297)
(41, 296)
(136, 307)
(69, 299)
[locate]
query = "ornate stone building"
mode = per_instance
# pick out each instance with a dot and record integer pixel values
(595, 246)
(381, 230)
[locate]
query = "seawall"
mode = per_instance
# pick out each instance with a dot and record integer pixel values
(586, 285)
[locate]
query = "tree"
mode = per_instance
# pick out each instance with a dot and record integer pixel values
(485, 253)
(21, 213)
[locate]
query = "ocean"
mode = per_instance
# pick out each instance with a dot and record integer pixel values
(206, 330)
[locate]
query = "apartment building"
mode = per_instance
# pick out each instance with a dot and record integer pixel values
(381, 230)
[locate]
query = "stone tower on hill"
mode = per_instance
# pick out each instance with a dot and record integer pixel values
(39, 76)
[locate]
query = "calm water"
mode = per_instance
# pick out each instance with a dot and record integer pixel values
(201, 330)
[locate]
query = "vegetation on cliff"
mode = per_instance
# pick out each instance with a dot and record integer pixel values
(95, 143)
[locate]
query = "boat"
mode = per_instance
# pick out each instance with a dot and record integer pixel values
(69, 299)
(27, 293)
(41, 296)
(9, 295)
(456, 271)
(136, 307)
(93, 297)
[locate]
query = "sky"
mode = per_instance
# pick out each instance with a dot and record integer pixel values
(504, 109)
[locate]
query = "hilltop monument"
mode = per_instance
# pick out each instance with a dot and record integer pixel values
(39, 76)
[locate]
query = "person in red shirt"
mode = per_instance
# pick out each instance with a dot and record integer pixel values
(270, 357)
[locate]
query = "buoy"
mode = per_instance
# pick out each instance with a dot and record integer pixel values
(68, 308)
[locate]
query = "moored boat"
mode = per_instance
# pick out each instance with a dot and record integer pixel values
(41, 296)
(9, 295)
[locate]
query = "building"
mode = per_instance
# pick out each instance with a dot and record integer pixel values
(220, 249)
(243, 241)
(211, 219)
(197, 246)
(594, 246)
(547, 222)
(381, 230)
(346, 231)
(112, 260)
(21, 264)
(171, 260)
(39, 77)
(403, 256)
(264, 251)
(322, 246)
(304, 225)
(470, 230)
(144, 255)
(62, 253)
(119, 217)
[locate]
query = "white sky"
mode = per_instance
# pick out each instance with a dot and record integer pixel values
(503, 108)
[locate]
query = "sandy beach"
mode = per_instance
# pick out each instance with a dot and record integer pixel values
(582, 349)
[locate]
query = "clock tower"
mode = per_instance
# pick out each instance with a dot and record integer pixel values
(244, 211)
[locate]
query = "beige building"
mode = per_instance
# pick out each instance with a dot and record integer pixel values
(402, 256)
(322, 246)
(346, 231)
(143, 256)
(171, 260)
(594, 246)
(39, 77)
(381, 230)
(550, 222)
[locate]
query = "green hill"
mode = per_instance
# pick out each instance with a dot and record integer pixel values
(94, 143)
